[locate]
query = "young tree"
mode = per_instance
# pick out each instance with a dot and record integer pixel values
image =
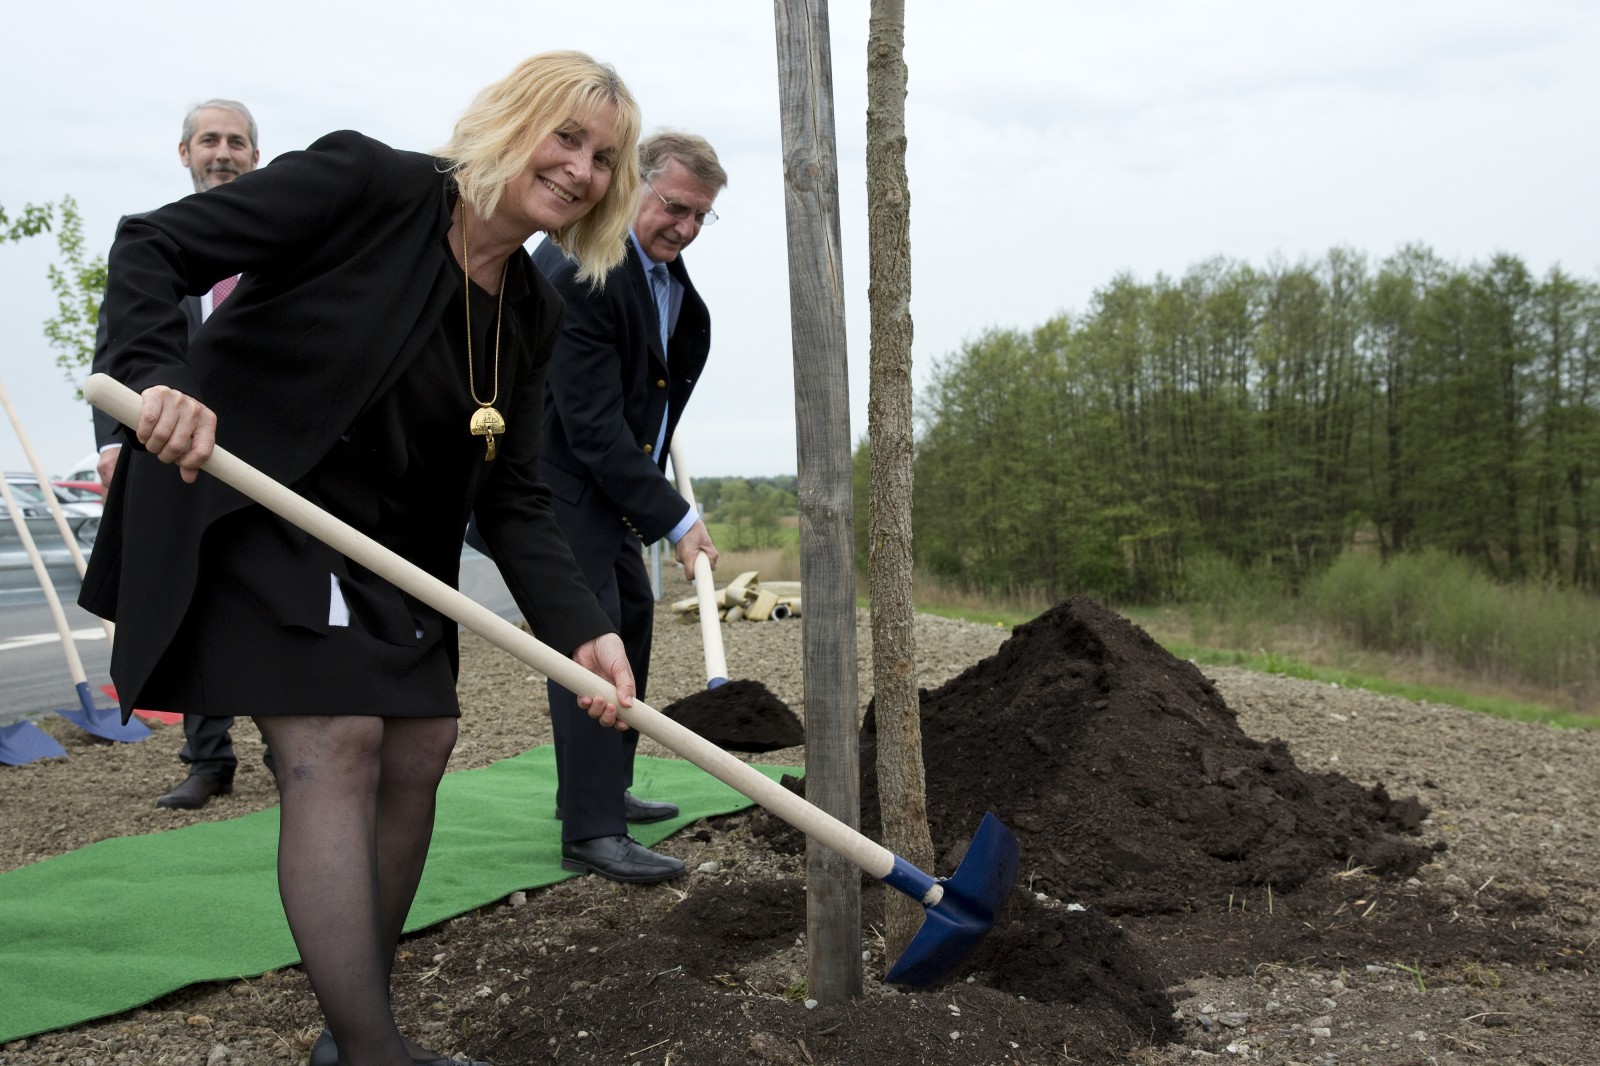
(79, 283)
(901, 784)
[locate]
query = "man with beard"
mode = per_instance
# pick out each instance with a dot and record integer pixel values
(218, 144)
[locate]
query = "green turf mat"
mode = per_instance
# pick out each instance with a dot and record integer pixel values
(121, 922)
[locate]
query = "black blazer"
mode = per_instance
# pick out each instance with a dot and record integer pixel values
(108, 430)
(340, 248)
(609, 381)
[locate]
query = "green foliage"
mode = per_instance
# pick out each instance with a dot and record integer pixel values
(1438, 605)
(79, 284)
(1279, 663)
(748, 512)
(1239, 428)
(35, 219)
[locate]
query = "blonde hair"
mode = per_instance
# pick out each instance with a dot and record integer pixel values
(495, 139)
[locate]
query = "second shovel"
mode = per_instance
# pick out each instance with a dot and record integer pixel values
(734, 715)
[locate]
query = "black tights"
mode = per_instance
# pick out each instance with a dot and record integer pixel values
(358, 797)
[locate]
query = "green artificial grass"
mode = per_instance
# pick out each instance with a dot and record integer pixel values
(121, 922)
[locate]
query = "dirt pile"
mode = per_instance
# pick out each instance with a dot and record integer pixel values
(739, 715)
(1127, 778)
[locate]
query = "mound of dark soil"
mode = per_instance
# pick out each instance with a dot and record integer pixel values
(1127, 779)
(739, 716)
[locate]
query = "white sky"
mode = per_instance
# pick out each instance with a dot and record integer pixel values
(1051, 146)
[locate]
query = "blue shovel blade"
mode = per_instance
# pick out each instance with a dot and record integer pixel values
(101, 721)
(953, 927)
(23, 742)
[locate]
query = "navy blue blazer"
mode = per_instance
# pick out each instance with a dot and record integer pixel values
(610, 383)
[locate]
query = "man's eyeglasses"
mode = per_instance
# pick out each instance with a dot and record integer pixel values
(683, 211)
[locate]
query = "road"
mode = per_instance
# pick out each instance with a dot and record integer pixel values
(35, 678)
(34, 675)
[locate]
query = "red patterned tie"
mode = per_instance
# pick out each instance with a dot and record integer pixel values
(222, 290)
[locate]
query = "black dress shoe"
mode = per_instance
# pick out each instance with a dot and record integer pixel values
(638, 811)
(196, 791)
(326, 1053)
(619, 859)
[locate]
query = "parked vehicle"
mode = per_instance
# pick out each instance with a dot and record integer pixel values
(81, 491)
(82, 514)
(87, 469)
(18, 583)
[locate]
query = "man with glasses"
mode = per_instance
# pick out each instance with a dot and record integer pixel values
(624, 365)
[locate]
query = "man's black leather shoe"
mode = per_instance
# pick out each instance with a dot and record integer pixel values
(639, 811)
(196, 791)
(619, 859)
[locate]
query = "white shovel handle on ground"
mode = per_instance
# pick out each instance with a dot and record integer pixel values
(48, 492)
(705, 588)
(123, 404)
(40, 571)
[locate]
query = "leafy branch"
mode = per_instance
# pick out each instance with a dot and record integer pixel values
(79, 284)
(36, 219)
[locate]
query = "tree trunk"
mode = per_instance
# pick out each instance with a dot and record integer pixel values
(827, 545)
(901, 786)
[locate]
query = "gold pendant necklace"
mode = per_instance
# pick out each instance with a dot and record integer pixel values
(486, 421)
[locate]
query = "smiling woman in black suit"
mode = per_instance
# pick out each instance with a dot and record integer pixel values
(384, 354)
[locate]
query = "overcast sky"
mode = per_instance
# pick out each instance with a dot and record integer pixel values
(1052, 146)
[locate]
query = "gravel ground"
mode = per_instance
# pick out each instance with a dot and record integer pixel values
(1515, 804)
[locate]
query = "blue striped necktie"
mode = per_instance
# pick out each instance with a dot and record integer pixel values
(662, 288)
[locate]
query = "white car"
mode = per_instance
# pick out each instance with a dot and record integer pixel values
(87, 469)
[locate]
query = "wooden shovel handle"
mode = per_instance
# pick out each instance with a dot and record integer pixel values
(67, 536)
(123, 404)
(42, 572)
(705, 587)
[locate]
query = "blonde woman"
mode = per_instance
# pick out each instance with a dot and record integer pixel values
(384, 354)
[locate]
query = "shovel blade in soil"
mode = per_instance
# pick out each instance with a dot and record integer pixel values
(953, 927)
(23, 742)
(102, 722)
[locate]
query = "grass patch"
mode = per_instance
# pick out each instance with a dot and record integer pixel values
(1268, 662)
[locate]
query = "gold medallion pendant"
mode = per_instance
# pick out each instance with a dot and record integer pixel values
(487, 423)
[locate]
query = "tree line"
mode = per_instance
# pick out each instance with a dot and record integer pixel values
(1271, 417)
(752, 509)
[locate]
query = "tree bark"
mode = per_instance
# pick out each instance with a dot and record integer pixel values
(901, 785)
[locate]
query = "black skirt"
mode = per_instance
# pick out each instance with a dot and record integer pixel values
(258, 640)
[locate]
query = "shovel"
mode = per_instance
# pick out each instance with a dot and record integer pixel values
(50, 499)
(23, 742)
(704, 587)
(100, 721)
(960, 911)
(743, 715)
